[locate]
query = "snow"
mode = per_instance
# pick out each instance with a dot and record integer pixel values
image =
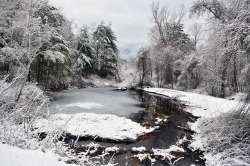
(138, 149)
(238, 97)
(166, 152)
(163, 153)
(95, 125)
(54, 56)
(160, 120)
(142, 157)
(112, 149)
(215, 114)
(13, 156)
(199, 105)
(86, 59)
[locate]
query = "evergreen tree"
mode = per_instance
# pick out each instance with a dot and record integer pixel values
(51, 67)
(85, 58)
(106, 51)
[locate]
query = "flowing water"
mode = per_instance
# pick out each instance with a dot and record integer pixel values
(140, 107)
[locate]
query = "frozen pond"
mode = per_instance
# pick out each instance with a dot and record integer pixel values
(95, 100)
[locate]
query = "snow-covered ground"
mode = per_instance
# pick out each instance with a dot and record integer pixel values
(212, 130)
(199, 105)
(95, 125)
(14, 156)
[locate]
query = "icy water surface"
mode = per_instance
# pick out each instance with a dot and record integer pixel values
(95, 100)
(143, 108)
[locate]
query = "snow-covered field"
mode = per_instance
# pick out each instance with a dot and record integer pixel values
(14, 156)
(215, 127)
(94, 125)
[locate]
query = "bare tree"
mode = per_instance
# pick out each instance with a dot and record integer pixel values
(231, 19)
(196, 31)
(144, 67)
(170, 44)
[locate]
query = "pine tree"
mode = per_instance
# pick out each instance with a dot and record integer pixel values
(51, 67)
(106, 51)
(85, 58)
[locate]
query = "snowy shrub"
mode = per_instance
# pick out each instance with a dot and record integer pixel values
(32, 103)
(226, 139)
(17, 117)
(190, 77)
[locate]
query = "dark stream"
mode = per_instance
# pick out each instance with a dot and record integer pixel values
(149, 107)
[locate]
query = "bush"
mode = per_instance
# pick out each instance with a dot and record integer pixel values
(226, 139)
(16, 118)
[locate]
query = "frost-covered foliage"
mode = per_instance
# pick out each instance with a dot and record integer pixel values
(85, 56)
(222, 131)
(17, 117)
(50, 67)
(191, 75)
(36, 49)
(105, 51)
(17, 120)
(219, 64)
(35, 36)
(169, 46)
(228, 45)
(226, 139)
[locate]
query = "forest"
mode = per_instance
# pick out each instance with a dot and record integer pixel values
(218, 63)
(41, 56)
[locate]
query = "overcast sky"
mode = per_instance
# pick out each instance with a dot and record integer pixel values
(131, 19)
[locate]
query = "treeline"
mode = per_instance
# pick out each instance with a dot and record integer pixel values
(37, 44)
(214, 58)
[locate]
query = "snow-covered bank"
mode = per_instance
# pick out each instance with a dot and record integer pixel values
(199, 105)
(103, 126)
(13, 156)
(221, 132)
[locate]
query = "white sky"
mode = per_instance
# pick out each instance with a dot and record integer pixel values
(130, 19)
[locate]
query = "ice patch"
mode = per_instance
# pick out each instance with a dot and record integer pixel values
(85, 105)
